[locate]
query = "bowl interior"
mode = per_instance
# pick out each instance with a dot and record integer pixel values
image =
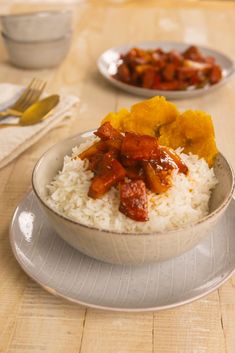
(52, 161)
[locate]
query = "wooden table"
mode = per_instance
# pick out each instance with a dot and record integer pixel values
(31, 320)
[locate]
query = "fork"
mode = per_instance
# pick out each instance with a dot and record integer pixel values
(30, 95)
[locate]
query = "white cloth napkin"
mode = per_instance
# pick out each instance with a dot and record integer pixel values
(14, 140)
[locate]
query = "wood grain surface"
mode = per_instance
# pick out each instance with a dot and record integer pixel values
(32, 320)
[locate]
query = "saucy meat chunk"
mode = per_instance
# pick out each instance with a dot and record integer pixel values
(149, 78)
(169, 72)
(137, 147)
(94, 162)
(216, 74)
(112, 137)
(133, 200)
(124, 73)
(107, 132)
(193, 53)
(112, 173)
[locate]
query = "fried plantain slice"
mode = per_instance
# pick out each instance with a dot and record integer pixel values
(148, 116)
(145, 117)
(194, 131)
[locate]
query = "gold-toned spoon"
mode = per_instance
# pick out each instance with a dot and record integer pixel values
(36, 112)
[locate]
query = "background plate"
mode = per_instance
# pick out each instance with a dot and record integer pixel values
(107, 62)
(65, 272)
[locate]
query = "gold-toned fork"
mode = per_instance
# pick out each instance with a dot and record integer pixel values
(36, 113)
(30, 95)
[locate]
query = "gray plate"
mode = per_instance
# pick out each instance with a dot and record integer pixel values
(65, 272)
(107, 64)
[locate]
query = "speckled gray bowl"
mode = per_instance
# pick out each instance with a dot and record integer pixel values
(39, 54)
(128, 248)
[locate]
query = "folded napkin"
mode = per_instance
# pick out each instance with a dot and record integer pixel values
(14, 140)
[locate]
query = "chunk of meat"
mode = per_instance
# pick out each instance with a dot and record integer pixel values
(216, 74)
(107, 132)
(193, 53)
(157, 81)
(103, 182)
(133, 200)
(169, 72)
(106, 162)
(157, 180)
(133, 53)
(124, 73)
(114, 144)
(94, 161)
(158, 60)
(97, 147)
(138, 147)
(176, 58)
(149, 78)
(112, 137)
(100, 162)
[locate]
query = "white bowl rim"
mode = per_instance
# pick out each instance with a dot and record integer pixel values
(37, 14)
(188, 226)
(68, 35)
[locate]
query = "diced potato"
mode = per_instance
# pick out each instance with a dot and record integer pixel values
(93, 149)
(157, 181)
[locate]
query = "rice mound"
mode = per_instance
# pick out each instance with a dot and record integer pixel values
(185, 202)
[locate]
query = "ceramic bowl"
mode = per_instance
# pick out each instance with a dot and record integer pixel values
(37, 55)
(108, 62)
(120, 248)
(37, 26)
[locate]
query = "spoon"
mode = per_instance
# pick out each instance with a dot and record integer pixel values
(36, 112)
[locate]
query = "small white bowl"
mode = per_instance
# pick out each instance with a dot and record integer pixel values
(37, 26)
(37, 55)
(121, 248)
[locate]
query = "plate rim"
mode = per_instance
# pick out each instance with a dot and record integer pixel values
(51, 290)
(176, 93)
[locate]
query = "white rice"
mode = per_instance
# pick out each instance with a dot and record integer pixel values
(185, 202)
